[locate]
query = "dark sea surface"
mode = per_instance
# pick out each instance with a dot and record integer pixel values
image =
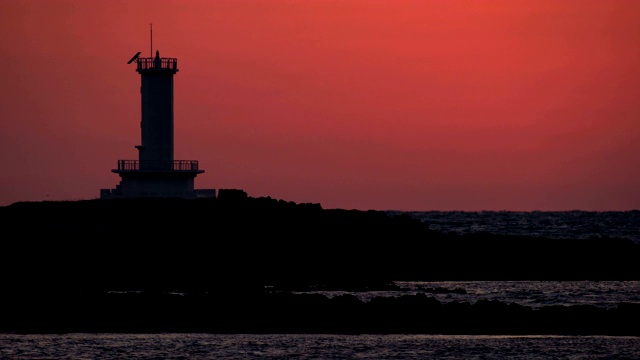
(286, 346)
(604, 294)
(556, 225)
(550, 224)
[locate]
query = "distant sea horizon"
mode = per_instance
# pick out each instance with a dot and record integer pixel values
(573, 224)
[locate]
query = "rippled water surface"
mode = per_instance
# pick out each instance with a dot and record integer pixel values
(605, 294)
(286, 346)
(550, 224)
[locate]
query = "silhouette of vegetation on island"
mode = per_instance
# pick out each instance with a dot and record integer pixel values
(169, 264)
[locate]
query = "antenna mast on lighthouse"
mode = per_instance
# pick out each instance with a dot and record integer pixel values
(151, 30)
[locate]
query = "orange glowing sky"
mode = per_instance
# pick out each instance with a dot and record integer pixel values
(355, 104)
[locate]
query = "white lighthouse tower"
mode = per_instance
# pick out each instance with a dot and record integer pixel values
(156, 173)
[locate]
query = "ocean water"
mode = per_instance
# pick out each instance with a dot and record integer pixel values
(604, 294)
(557, 225)
(309, 346)
(550, 224)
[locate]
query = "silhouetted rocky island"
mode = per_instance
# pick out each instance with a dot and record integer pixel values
(202, 265)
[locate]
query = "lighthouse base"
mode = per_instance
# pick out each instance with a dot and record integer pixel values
(168, 183)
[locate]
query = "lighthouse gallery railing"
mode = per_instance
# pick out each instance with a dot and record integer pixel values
(175, 165)
(160, 63)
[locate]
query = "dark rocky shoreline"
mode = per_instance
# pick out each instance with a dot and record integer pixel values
(112, 266)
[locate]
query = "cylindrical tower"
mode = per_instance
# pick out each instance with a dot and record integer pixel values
(156, 90)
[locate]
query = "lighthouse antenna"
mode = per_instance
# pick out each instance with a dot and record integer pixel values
(151, 29)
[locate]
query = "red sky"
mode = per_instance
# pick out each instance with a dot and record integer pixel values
(372, 104)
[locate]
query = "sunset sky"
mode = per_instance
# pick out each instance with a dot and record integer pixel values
(372, 104)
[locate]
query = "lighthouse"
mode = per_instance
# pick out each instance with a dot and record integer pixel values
(156, 90)
(156, 173)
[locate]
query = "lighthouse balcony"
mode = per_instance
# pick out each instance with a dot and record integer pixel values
(157, 64)
(158, 166)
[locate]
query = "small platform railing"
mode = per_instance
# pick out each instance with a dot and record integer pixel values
(175, 165)
(157, 63)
